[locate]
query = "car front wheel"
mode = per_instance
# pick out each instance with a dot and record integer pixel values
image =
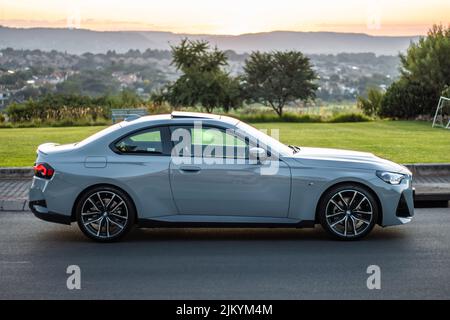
(348, 212)
(105, 214)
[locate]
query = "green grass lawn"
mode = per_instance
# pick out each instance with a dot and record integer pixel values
(400, 141)
(18, 146)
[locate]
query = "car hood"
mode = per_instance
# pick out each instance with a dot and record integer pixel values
(346, 159)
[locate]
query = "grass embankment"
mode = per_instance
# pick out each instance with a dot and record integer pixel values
(400, 141)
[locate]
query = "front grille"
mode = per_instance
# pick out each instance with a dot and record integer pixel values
(402, 208)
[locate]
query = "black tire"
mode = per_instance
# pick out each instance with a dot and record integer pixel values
(113, 210)
(352, 224)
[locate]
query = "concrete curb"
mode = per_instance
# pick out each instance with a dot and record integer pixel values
(429, 169)
(14, 205)
(16, 172)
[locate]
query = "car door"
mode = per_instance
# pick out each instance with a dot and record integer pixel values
(215, 183)
(141, 163)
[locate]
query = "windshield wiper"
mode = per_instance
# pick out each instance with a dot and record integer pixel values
(295, 148)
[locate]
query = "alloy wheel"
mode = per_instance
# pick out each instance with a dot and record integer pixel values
(104, 214)
(349, 213)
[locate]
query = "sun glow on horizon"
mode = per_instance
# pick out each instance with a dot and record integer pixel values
(377, 17)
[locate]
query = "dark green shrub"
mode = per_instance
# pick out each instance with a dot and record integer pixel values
(406, 99)
(286, 117)
(446, 92)
(349, 117)
(35, 123)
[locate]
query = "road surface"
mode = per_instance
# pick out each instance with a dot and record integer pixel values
(225, 263)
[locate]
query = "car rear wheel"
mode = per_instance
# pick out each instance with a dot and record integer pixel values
(348, 212)
(105, 214)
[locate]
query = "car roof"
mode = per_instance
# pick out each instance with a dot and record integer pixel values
(197, 115)
(137, 122)
(179, 115)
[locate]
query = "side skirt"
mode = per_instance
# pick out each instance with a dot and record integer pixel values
(181, 221)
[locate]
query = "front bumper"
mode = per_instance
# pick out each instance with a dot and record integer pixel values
(397, 201)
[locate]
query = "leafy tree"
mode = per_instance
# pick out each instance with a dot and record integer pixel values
(196, 55)
(428, 60)
(203, 80)
(233, 93)
(278, 78)
(372, 104)
(425, 73)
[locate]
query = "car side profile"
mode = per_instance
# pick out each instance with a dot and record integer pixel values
(201, 170)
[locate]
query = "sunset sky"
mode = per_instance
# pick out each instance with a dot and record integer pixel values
(378, 17)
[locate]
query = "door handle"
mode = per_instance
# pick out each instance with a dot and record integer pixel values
(190, 169)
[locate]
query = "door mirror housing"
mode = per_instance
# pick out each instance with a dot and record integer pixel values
(258, 154)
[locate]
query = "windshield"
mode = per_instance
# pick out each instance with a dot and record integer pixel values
(281, 148)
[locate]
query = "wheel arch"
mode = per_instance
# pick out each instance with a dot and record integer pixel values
(87, 189)
(360, 184)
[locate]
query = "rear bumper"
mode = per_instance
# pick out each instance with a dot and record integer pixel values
(52, 200)
(39, 209)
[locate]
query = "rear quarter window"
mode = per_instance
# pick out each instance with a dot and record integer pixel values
(148, 141)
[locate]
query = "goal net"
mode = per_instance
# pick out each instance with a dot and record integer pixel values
(442, 115)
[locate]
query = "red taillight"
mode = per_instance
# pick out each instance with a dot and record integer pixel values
(43, 170)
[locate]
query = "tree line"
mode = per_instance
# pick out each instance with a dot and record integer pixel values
(57, 107)
(274, 79)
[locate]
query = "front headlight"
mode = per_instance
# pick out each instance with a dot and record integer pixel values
(391, 177)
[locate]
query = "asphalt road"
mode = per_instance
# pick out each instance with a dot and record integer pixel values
(225, 263)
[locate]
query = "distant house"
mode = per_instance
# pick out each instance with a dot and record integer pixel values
(4, 97)
(125, 79)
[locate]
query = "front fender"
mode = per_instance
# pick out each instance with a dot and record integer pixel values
(309, 184)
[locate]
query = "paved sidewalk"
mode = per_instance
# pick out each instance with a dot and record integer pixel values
(436, 182)
(432, 188)
(14, 194)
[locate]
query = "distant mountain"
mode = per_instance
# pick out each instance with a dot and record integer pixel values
(79, 41)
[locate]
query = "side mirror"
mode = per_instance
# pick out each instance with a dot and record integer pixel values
(258, 154)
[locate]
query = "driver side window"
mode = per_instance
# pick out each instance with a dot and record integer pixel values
(214, 142)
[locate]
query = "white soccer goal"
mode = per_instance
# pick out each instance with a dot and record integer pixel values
(442, 115)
